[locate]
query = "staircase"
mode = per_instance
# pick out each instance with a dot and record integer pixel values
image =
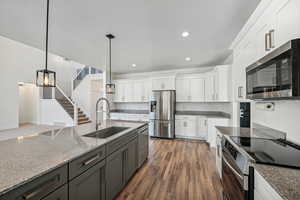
(69, 108)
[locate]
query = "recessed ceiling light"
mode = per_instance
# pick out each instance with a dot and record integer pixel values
(188, 59)
(185, 34)
(133, 65)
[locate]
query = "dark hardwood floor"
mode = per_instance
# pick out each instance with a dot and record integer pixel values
(176, 169)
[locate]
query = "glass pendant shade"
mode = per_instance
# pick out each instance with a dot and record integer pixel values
(110, 88)
(45, 78)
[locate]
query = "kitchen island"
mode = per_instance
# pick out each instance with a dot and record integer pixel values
(65, 164)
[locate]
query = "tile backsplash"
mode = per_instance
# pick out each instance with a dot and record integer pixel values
(220, 106)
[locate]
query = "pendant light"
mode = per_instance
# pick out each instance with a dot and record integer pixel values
(110, 87)
(45, 77)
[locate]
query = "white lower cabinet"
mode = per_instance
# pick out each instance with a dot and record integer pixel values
(263, 190)
(212, 131)
(192, 127)
(219, 153)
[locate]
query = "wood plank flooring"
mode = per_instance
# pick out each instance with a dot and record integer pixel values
(177, 170)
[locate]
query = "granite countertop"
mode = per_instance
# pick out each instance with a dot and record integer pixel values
(257, 131)
(27, 157)
(209, 114)
(285, 181)
(142, 112)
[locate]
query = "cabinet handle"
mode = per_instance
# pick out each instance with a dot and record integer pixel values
(240, 89)
(267, 36)
(41, 188)
(205, 122)
(272, 41)
(185, 124)
(91, 160)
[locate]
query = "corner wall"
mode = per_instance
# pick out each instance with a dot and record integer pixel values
(18, 63)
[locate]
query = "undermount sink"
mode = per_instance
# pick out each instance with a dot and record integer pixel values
(107, 132)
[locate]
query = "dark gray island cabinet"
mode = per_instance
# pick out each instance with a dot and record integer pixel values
(97, 175)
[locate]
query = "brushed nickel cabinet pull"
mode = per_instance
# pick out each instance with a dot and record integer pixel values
(41, 188)
(267, 36)
(240, 88)
(91, 160)
(271, 39)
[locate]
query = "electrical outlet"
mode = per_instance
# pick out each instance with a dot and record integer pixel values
(269, 107)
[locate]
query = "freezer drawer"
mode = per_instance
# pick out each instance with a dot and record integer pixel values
(162, 129)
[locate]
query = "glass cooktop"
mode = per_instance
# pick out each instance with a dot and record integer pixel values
(267, 151)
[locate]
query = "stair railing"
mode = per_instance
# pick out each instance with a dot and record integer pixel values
(58, 94)
(83, 73)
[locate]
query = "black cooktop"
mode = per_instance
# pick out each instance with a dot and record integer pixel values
(273, 152)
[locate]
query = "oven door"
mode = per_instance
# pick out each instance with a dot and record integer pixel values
(233, 181)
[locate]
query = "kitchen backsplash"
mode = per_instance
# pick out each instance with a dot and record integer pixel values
(222, 107)
(285, 116)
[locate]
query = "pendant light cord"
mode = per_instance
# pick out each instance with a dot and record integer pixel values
(47, 24)
(110, 60)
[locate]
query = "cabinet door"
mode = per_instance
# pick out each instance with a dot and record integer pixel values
(201, 128)
(138, 91)
(90, 184)
(59, 194)
(183, 90)
(210, 86)
(197, 90)
(119, 93)
(128, 91)
(131, 159)
(286, 22)
(115, 173)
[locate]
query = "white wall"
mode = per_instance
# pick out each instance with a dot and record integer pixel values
(28, 103)
(18, 63)
(52, 113)
(88, 92)
(285, 117)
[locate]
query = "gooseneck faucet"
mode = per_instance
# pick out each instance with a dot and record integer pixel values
(107, 112)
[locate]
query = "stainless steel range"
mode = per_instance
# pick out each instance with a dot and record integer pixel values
(237, 172)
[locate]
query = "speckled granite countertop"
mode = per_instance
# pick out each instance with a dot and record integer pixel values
(28, 157)
(209, 114)
(285, 181)
(144, 112)
(257, 131)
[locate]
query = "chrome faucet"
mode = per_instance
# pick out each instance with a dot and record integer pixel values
(107, 112)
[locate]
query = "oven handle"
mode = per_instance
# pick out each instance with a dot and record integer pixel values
(232, 169)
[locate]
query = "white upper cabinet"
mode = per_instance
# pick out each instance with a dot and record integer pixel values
(197, 89)
(210, 86)
(163, 83)
(286, 21)
(190, 89)
(182, 89)
(132, 91)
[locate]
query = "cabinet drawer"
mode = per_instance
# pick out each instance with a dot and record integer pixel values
(59, 194)
(42, 186)
(78, 166)
(119, 142)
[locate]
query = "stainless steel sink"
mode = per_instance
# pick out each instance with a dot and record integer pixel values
(107, 132)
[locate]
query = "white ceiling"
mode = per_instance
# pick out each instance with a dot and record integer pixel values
(148, 32)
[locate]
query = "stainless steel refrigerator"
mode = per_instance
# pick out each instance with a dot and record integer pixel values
(162, 114)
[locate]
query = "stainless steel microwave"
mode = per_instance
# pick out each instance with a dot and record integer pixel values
(277, 75)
